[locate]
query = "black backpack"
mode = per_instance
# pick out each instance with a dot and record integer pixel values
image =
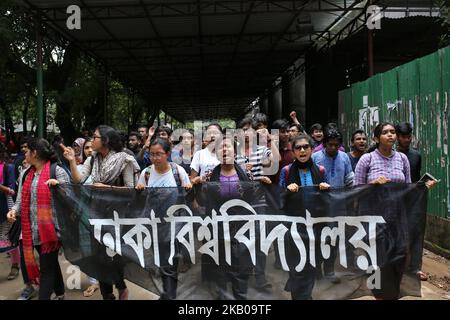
(52, 172)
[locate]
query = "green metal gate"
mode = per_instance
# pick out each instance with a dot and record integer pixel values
(417, 92)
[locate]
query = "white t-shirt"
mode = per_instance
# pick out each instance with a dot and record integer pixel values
(165, 180)
(204, 162)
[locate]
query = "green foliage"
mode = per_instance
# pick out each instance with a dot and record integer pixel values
(444, 19)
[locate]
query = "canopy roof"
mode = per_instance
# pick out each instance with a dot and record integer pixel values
(207, 59)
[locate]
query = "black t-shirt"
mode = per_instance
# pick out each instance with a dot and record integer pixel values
(353, 161)
(415, 163)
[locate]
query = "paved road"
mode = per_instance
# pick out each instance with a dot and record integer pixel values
(437, 288)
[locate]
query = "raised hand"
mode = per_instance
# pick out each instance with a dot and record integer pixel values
(293, 115)
(151, 132)
(69, 153)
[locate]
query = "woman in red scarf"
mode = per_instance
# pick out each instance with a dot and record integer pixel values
(39, 223)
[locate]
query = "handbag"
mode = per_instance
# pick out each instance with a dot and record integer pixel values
(14, 232)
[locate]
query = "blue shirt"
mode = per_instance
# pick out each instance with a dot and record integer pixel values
(339, 169)
(305, 177)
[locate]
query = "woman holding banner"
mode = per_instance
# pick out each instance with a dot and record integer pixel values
(381, 166)
(229, 177)
(164, 174)
(108, 166)
(303, 172)
(40, 228)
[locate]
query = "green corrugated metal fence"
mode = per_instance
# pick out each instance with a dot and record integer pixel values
(417, 92)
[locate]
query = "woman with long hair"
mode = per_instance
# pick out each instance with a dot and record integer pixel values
(108, 166)
(228, 177)
(381, 166)
(40, 229)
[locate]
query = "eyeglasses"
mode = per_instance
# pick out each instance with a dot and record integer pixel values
(157, 155)
(302, 146)
(293, 130)
(96, 137)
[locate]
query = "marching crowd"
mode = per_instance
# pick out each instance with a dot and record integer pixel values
(153, 157)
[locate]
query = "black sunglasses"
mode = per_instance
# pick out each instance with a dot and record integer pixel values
(302, 146)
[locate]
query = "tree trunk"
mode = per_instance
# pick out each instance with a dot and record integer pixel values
(9, 125)
(25, 111)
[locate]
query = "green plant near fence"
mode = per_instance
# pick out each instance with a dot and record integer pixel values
(417, 92)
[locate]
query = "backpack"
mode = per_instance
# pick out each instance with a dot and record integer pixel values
(175, 172)
(52, 172)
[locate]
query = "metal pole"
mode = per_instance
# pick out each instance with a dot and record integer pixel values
(105, 95)
(40, 86)
(370, 49)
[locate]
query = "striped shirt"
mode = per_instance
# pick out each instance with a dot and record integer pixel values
(374, 165)
(256, 159)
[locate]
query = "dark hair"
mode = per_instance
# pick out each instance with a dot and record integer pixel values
(373, 147)
(298, 126)
(332, 134)
(4, 154)
(44, 150)
(164, 143)
(404, 128)
(315, 126)
(302, 137)
(166, 129)
(331, 126)
(58, 139)
(142, 126)
(88, 139)
(359, 131)
(24, 140)
(379, 129)
(124, 137)
(244, 122)
(111, 139)
(214, 124)
(260, 118)
(136, 134)
(280, 124)
(89, 132)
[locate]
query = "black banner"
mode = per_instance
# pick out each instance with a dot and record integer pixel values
(247, 240)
